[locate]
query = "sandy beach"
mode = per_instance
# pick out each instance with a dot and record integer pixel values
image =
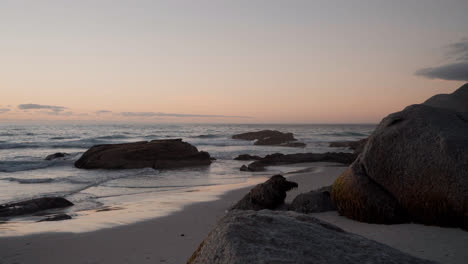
(172, 239)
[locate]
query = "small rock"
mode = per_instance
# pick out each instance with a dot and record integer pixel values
(58, 217)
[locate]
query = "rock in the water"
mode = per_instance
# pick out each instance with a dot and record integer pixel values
(289, 237)
(414, 165)
(282, 159)
(357, 146)
(313, 202)
(157, 154)
(58, 155)
(271, 138)
(244, 168)
(268, 195)
(247, 157)
(58, 217)
(456, 101)
(33, 206)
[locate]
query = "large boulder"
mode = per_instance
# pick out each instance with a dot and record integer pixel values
(271, 138)
(456, 101)
(268, 195)
(33, 206)
(289, 237)
(157, 154)
(282, 159)
(313, 202)
(414, 167)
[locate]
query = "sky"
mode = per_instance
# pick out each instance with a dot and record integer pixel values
(227, 61)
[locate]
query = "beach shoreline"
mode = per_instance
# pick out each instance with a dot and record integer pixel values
(173, 238)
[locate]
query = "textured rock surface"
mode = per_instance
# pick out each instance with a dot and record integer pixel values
(313, 202)
(157, 154)
(281, 159)
(417, 161)
(289, 237)
(33, 206)
(270, 137)
(58, 155)
(456, 101)
(267, 195)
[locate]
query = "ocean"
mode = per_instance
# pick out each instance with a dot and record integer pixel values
(106, 198)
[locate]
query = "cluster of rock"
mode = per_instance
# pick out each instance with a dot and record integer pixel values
(157, 154)
(271, 138)
(282, 159)
(414, 167)
(252, 233)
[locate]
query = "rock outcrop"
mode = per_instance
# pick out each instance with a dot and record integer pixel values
(58, 155)
(456, 101)
(413, 168)
(313, 202)
(33, 206)
(157, 154)
(289, 237)
(267, 195)
(282, 159)
(270, 138)
(247, 157)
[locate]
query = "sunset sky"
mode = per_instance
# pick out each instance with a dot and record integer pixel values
(227, 61)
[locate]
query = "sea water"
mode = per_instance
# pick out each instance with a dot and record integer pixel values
(105, 198)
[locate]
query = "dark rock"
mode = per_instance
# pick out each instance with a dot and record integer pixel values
(268, 195)
(157, 154)
(282, 159)
(357, 146)
(288, 237)
(313, 202)
(58, 155)
(247, 157)
(33, 206)
(270, 138)
(456, 101)
(244, 168)
(414, 167)
(58, 217)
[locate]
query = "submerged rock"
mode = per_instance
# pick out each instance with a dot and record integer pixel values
(247, 157)
(58, 155)
(289, 237)
(268, 195)
(313, 202)
(271, 138)
(413, 168)
(33, 206)
(59, 217)
(157, 154)
(282, 159)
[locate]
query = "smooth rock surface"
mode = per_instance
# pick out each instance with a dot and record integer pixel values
(289, 237)
(267, 195)
(33, 206)
(157, 154)
(414, 166)
(271, 138)
(456, 101)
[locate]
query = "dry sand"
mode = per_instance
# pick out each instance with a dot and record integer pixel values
(173, 238)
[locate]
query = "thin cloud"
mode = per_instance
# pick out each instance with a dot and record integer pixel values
(455, 71)
(160, 114)
(102, 112)
(53, 108)
(4, 110)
